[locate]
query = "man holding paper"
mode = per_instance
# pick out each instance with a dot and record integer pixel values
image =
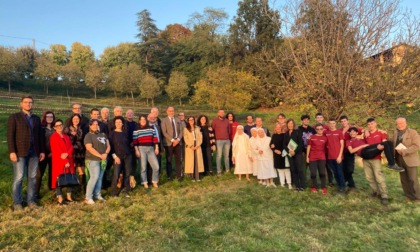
(407, 142)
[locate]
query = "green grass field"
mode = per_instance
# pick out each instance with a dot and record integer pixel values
(217, 214)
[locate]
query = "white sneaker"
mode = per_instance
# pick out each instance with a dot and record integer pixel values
(264, 183)
(89, 202)
(273, 185)
(101, 199)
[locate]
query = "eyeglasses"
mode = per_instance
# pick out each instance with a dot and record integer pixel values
(77, 108)
(58, 125)
(319, 128)
(49, 116)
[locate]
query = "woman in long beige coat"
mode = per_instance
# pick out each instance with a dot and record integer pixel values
(193, 155)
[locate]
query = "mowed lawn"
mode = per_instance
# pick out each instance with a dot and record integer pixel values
(217, 214)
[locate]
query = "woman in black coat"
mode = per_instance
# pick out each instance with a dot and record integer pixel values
(277, 145)
(294, 154)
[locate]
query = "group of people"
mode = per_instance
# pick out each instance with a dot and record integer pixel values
(90, 147)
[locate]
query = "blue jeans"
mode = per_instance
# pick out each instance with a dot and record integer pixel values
(93, 188)
(147, 154)
(223, 147)
(29, 165)
(338, 173)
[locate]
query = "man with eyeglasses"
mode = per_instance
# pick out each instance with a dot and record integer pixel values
(26, 148)
(76, 108)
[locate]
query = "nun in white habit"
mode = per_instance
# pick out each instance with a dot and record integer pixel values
(241, 153)
(266, 170)
(254, 151)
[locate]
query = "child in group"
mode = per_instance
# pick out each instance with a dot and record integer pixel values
(316, 157)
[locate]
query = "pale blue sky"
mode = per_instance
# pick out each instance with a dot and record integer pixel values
(99, 24)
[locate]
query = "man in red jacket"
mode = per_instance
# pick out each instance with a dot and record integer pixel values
(26, 149)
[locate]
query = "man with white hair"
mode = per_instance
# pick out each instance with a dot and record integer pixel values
(118, 111)
(155, 111)
(407, 143)
(105, 115)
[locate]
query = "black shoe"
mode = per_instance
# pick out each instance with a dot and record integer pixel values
(375, 195)
(384, 201)
(395, 168)
(341, 191)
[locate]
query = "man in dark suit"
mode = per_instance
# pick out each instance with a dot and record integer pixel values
(26, 149)
(172, 135)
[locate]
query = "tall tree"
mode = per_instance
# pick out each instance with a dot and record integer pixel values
(82, 55)
(177, 87)
(149, 88)
(94, 77)
(11, 65)
(152, 48)
(225, 88)
(173, 33)
(329, 43)
(253, 29)
(46, 71)
(211, 21)
(57, 54)
(122, 54)
(146, 26)
(71, 76)
(205, 46)
(28, 55)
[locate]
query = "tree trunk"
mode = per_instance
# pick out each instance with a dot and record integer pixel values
(132, 97)
(94, 91)
(47, 89)
(115, 93)
(147, 101)
(9, 87)
(153, 102)
(180, 102)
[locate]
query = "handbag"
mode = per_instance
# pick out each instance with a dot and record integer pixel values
(67, 179)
